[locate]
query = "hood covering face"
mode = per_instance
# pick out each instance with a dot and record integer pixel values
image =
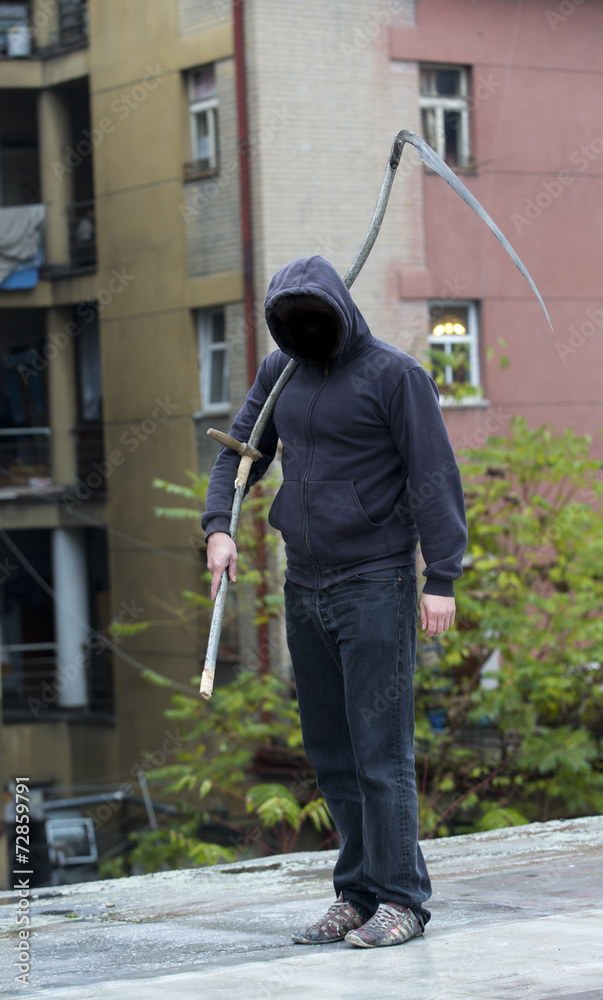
(315, 277)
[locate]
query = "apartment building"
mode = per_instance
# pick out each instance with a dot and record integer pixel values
(158, 163)
(100, 316)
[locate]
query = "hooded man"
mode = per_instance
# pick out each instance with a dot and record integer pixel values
(368, 471)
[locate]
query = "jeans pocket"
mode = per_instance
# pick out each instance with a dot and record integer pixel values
(384, 575)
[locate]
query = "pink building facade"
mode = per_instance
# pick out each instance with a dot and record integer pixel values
(528, 142)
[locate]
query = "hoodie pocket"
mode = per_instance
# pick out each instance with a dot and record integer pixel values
(339, 529)
(287, 516)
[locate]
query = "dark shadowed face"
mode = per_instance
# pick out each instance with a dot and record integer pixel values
(312, 326)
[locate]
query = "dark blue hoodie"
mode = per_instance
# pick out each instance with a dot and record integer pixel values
(368, 468)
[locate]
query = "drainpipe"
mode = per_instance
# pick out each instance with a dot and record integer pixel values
(250, 328)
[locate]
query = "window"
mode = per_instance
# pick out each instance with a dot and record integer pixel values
(88, 375)
(25, 437)
(453, 344)
(213, 361)
(14, 29)
(88, 365)
(444, 103)
(203, 111)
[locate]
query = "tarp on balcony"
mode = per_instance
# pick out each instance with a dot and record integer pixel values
(21, 230)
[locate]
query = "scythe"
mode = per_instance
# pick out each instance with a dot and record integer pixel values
(248, 450)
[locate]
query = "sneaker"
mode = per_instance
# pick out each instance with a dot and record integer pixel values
(391, 924)
(340, 918)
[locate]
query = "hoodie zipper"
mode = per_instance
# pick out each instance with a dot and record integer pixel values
(308, 467)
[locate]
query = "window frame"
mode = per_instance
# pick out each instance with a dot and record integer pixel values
(207, 349)
(439, 103)
(471, 337)
(209, 107)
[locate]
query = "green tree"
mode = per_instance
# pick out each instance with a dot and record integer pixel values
(252, 718)
(519, 744)
(533, 591)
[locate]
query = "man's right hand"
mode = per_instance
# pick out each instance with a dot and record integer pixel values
(221, 552)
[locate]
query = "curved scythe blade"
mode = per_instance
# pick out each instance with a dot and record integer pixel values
(432, 160)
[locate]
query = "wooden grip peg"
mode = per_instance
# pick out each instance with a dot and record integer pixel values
(241, 447)
(248, 454)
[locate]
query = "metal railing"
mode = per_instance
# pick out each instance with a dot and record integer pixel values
(73, 22)
(24, 455)
(28, 672)
(30, 692)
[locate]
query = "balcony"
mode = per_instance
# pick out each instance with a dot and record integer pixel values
(24, 457)
(27, 667)
(30, 689)
(28, 30)
(80, 226)
(39, 635)
(73, 23)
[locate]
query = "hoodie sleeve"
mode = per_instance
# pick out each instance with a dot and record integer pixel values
(220, 490)
(434, 492)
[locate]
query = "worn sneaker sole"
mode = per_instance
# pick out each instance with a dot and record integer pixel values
(352, 937)
(300, 939)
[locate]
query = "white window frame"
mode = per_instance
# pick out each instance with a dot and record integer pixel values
(440, 103)
(207, 352)
(209, 108)
(471, 337)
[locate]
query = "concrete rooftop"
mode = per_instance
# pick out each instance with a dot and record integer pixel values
(515, 913)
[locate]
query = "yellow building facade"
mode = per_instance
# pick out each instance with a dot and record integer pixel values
(109, 122)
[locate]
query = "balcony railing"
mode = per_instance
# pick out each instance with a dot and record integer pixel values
(30, 692)
(73, 22)
(28, 670)
(24, 455)
(18, 29)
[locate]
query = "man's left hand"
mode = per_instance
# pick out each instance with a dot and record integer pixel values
(437, 614)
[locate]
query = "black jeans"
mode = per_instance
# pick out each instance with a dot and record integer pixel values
(353, 653)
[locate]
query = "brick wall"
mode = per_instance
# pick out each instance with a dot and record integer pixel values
(211, 206)
(199, 15)
(325, 102)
